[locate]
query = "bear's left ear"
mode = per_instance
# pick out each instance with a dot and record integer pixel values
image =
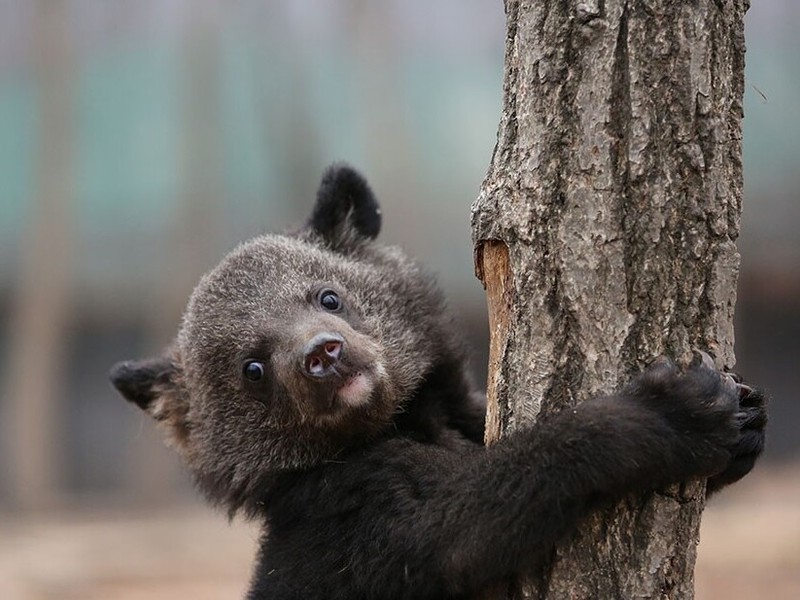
(346, 210)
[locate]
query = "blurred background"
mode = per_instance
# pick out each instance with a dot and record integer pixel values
(139, 141)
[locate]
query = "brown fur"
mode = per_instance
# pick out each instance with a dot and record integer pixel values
(259, 303)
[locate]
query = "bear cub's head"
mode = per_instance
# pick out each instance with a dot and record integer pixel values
(293, 349)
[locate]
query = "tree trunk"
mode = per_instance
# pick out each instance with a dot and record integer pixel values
(604, 234)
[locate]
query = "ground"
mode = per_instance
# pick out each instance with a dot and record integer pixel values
(749, 549)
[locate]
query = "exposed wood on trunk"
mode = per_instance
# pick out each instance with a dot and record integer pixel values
(491, 265)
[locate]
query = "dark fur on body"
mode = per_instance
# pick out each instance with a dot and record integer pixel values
(372, 478)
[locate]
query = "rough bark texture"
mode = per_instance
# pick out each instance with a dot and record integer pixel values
(605, 235)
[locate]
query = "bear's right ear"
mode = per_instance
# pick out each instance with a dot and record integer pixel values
(154, 385)
(346, 209)
(143, 381)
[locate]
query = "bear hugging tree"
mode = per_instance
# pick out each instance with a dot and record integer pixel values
(317, 384)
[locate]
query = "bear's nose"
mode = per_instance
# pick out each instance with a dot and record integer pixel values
(322, 353)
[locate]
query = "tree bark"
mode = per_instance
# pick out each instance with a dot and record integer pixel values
(605, 236)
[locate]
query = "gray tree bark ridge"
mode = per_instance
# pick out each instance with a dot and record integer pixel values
(605, 235)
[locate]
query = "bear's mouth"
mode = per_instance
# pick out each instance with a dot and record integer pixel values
(348, 387)
(355, 389)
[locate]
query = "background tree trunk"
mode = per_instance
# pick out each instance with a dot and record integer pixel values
(604, 233)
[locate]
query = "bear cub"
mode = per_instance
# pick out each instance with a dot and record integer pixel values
(317, 384)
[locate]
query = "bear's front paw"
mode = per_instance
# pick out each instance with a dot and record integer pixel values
(752, 420)
(700, 406)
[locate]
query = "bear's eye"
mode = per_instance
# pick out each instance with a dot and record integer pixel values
(330, 300)
(254, 370)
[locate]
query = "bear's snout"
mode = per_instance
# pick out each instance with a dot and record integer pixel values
(321, 355)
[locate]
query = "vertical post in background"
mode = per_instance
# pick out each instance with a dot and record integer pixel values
(41, 305)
